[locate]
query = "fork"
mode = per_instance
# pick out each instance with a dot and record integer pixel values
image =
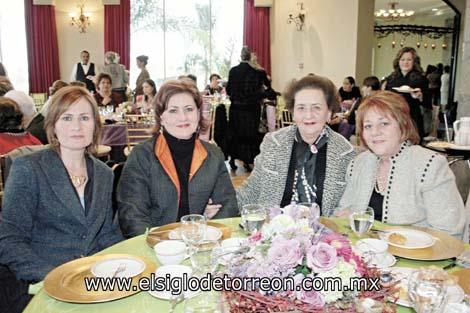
(174, 300)
(121, 268)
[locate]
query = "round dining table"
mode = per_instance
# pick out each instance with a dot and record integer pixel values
(143, 302)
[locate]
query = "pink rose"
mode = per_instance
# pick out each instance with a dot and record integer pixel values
(314, 298)
(339, 242)
(285, 253)
(255, 237)
(321, 257)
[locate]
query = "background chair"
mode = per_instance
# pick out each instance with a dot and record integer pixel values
(286, 118)
(39, 100)
(138, 129)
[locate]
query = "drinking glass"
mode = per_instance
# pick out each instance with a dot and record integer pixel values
(204, 258)
(205, 302)
(253, 217)
(193, 229)
(427, 294)
(361, 221)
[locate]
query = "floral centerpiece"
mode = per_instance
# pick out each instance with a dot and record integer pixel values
(294, 248)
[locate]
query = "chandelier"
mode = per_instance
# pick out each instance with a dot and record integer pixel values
(393, 13)
(82, 21)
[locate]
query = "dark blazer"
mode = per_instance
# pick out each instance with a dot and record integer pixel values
(245, 85)
(147, 196)
(36, 128)
(43, 223)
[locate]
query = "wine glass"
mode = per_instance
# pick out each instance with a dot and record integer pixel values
(361, 221)
(427, 294)
(193, 229)
(253, 217)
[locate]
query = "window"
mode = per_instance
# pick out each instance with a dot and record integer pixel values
(13, 51)
(180, 37)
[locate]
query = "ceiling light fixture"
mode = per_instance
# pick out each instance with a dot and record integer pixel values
(393, 12)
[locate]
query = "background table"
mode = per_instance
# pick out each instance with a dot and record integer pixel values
(143, 302)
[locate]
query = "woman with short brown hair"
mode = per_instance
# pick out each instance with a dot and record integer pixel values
(174, 173)
(403, 182)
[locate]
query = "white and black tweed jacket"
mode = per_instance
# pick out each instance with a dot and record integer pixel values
(421, 189)
(267, 182)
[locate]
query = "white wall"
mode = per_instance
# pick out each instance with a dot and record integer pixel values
(313, 47)
(383, 56)
(72, 42)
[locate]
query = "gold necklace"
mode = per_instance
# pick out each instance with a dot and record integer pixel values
(78, 180)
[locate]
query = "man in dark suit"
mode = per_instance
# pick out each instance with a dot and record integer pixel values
(245, 88)
(84, 71)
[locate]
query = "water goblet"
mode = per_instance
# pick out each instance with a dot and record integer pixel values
(204, 258)
(427, 294)
(253, 217)
(361, 221)
(193, 229)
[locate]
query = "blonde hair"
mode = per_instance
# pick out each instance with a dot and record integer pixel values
(61, 102)
(393, 105)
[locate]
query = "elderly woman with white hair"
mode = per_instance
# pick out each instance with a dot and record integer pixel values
(33, 121)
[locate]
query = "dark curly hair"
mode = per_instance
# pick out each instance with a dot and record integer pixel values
(10, 114)
(313, 82)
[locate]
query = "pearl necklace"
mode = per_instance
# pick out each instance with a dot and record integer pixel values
(310, 191)
(381, 179)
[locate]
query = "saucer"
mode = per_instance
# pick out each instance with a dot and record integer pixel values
(118, 267)
(383, 261)
(174, 271)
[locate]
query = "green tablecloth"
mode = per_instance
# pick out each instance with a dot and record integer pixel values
(143, 302)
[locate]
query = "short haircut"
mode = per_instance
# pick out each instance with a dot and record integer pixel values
(351, 80)
(392, 105)
(102, 76)
(372, 81)
(214, 75)
(245, 54)
(168, 90)
(61, 102)
(78, 83)
(10, 114)
(315, 82)
(56, 85)
(84, 51)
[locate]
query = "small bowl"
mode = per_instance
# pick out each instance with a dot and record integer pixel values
(170, 252)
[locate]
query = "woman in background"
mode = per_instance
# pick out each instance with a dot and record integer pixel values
(407, 71)
(144, 75)
(145, 101)
(104, 95)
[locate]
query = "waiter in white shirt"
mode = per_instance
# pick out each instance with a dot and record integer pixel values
(84, 71)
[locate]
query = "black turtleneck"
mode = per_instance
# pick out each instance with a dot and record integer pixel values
(182, 154)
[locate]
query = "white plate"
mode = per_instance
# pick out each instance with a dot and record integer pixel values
(383, 261)
(174, 271)
(212, 234)
(455, 294)
(458, 147)
(405, 89)
(415, 239)
(107, 268)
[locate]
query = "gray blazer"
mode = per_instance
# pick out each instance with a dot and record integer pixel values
(421, 189)
(147, 197)
(267, 182)
(43, 223)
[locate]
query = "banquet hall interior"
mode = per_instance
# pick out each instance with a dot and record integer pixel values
(127, 55)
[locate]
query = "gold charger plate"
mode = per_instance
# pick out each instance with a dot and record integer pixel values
(157, 234)
(445, 246)
(67, 282)
(464, 279)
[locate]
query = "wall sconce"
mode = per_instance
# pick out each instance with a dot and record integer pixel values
(298, 19)
(82, 21)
